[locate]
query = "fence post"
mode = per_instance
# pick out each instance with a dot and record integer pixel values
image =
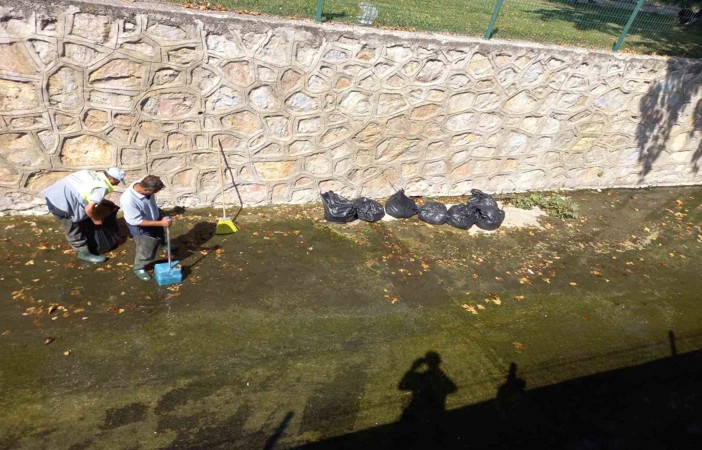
(320, 7)
(632, 17)
(493, 19)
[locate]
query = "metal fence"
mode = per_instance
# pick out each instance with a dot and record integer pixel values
(641, 26)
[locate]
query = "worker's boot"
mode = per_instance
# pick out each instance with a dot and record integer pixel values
(142, 274)
(85, 255)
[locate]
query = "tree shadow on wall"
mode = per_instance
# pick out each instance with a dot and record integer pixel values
(674, 100)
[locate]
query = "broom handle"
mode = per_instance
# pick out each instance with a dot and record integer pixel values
(221, 178)
(168, 243)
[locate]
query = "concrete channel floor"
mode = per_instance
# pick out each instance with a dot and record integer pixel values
(298, 333)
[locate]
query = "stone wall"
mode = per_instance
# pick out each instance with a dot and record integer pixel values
(300, 108)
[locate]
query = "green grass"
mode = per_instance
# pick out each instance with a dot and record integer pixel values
(554, 205)
(545, 21)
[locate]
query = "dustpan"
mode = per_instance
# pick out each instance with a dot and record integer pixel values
(225, 225)
(170, 272)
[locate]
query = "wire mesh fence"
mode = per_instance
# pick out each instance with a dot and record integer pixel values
(642, 26)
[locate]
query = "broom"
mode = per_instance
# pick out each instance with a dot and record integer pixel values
(225, 225)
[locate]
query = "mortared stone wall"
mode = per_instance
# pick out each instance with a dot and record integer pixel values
(300, 108)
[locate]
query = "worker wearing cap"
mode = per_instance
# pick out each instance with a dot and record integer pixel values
(73, 201)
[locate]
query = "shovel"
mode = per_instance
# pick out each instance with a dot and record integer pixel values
(167, 273)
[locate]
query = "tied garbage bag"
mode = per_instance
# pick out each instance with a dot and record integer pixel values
(368, 210)
(337, 209)
(488, 216)
(400, 206)
(434, 213)
(461, 216)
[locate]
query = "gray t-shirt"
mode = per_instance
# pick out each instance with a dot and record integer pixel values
(137, 207)
(71, 194)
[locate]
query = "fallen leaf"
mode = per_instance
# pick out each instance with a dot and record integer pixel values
(519, 297)
(67, 352)
(48, 340)
(518, 345)
(573, 283)
(469, 308)
(29, 263)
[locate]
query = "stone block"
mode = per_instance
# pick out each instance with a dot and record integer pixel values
(92, 27)
(223, 99)
(426, 112)
(18, 201)
(302, 103)
(119, 74)
(111, 100)
(391, 104)
(433, 71)
(15, 59)
(169, 105)
(460, 122)
(312, 125)
(275, 170)
(398, 149)
(184, 56)
(132, 158)
(95, 119)
(319, 165)
(244, 122)
(461, 102)
(276, 51)
(18, 96)
(9, 176)
(40, 180)
(166, 34)
(86, 151)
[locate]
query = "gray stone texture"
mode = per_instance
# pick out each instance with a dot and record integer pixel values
(299, 108)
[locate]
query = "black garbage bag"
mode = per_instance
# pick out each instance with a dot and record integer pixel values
(400, 206)
(368, 210)
(434, 213)
(337, 209)
(488, 215)
(461, 216)
(106, 237)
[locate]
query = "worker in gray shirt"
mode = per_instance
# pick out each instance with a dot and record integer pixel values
(145, 221)
(73, 201)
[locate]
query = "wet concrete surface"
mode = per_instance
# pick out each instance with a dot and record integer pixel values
(294, 332)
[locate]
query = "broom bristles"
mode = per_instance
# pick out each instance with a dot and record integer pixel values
(225, 226)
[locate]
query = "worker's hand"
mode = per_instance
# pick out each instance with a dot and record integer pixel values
(166, 222)
(97, 221)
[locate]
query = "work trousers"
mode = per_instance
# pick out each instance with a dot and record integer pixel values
(146, 249)
(76, 232)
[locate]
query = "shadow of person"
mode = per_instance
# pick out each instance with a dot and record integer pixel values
(421, 423)
(510, 395)
(193, 242)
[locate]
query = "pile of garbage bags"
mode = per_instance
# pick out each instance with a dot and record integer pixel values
(481, 210)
